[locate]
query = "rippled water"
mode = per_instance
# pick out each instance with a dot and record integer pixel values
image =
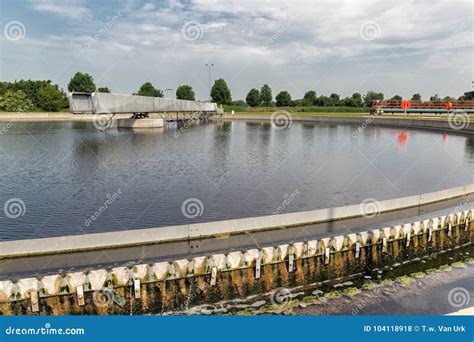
(74, 179)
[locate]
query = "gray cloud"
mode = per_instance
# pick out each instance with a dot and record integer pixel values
(420, 46)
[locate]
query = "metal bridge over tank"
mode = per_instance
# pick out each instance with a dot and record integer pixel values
(140, 107)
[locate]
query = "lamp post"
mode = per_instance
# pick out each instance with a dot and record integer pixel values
(209, 66)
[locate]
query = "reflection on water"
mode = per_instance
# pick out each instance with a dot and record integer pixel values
(65, 172)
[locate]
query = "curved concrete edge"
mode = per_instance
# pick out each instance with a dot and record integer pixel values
(326, 248)
(364, 120)
(147, 236)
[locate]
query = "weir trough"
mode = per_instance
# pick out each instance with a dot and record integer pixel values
(176, 285)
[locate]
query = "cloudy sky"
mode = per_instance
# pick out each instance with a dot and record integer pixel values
(396, 47)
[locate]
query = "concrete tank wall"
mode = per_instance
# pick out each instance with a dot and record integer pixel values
(298, 220)
(177, 284)
(436, 124)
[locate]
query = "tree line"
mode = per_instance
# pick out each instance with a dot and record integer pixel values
(31, 95)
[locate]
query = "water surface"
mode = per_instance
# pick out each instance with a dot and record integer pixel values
(75, 179)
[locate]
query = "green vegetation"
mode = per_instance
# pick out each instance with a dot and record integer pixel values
(147, 89)
(43, 95)
(283, 99)
(81, 82)
(404, 280)
(253, 98)
(372, 95)
(29, 95)
(310, 98)
(266, 96)
(185, 92)
(220, 92)
(467, 96)
(15, 101)
(103, 90)
(51, 98)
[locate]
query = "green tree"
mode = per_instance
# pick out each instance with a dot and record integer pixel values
(253, 98)
(335, 99)
(51, 98)
(103, 90)
(372, 95)
(357, 100)
(266, 95)
(220, 92)
(185, 92)
(310, 98)
(147, 89)
(467, 96)
(435, 97)
(81, 82)
(448, 98)
(15, 101)
(283, 99)
(323, 101)
(396, 97)
(416, 97)
(354, 101)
